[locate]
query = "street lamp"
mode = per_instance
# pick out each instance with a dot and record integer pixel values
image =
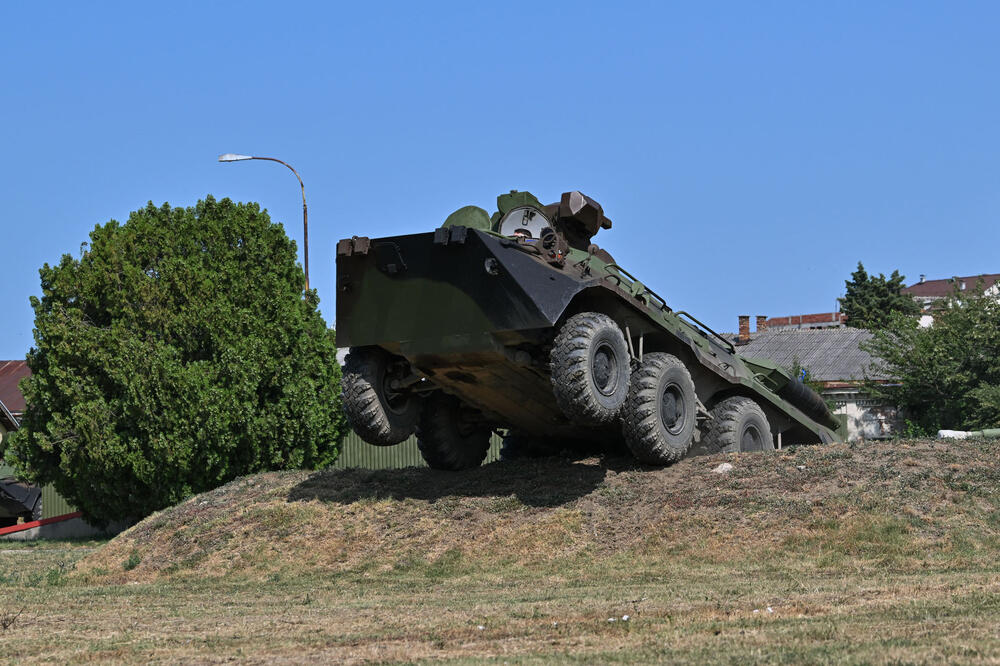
(231, 157)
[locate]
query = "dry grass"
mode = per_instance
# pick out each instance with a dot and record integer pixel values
(870, 553)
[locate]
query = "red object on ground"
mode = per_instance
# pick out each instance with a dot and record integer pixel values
(39, 523)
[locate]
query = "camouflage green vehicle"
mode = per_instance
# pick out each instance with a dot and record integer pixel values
(518, 322)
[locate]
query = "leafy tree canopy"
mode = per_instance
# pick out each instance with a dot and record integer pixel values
(949, 374)
(870, 300)
(175, 354)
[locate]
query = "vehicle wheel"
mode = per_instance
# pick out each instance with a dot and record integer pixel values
(738, 424)
(378, 414)
(36, 510)
(448, 435)
(659, 417)
(590, 368)
(7, 521)
(517, 446)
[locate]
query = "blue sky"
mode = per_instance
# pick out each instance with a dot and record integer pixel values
(749, 153)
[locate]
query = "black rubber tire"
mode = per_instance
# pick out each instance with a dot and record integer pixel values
(447, 439)
(378, 420)
(590, 368)
(738, 425)
(661, 412)
(517, 446)
(8, 521)
(806, 399)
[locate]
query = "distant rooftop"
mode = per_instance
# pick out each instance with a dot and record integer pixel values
(946, 287)
(818, 320)
(830, 354)
(11, 372)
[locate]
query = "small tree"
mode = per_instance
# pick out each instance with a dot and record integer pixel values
(176, 354)
(948, 374)
(870, 300)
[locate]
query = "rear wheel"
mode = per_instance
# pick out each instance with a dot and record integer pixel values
(590, 368)
(738, 424)
(450, 436)
(380, 415)
(659, 417)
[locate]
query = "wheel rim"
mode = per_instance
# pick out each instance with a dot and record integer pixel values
(605, 367)
(672, 412)
(395, 401)
(751, 439)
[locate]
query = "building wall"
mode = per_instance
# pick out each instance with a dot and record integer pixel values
(866, 418)
(810, 321)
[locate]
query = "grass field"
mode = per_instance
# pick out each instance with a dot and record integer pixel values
(843, 554)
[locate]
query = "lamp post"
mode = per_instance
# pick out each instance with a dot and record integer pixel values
(231, 157)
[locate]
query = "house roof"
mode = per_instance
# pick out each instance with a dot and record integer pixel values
(946, 287)
(11, 372)
(829, 354)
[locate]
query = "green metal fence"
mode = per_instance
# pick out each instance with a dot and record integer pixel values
(356, 453)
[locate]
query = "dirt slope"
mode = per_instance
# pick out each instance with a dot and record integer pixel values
(902, 504)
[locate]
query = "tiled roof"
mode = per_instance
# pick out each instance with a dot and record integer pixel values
(11, 372)
(830, 354)
(942, 288)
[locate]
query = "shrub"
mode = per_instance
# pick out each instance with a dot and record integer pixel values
(175, 354)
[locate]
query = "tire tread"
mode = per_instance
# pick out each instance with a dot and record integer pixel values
(570, 373)
(361, 402)
(723, 436)
(440, 442)
(640, 416)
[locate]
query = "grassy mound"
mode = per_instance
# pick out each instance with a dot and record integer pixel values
(905, 506)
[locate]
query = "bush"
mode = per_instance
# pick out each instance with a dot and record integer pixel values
(175, 354)
(949, 374)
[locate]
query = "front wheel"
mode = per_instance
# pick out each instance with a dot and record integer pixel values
(379, 414)
(450, 436)
(590, 368)
(660, 414)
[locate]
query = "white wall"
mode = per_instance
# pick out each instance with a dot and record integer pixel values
(866, 418)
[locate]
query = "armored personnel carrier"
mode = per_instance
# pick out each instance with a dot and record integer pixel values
(518, 322)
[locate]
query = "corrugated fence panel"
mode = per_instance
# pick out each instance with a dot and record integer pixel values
(354, 452)
(52, 503)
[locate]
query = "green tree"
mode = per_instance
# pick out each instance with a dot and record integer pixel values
(948, 374)
(870, 300)
(175, 354)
